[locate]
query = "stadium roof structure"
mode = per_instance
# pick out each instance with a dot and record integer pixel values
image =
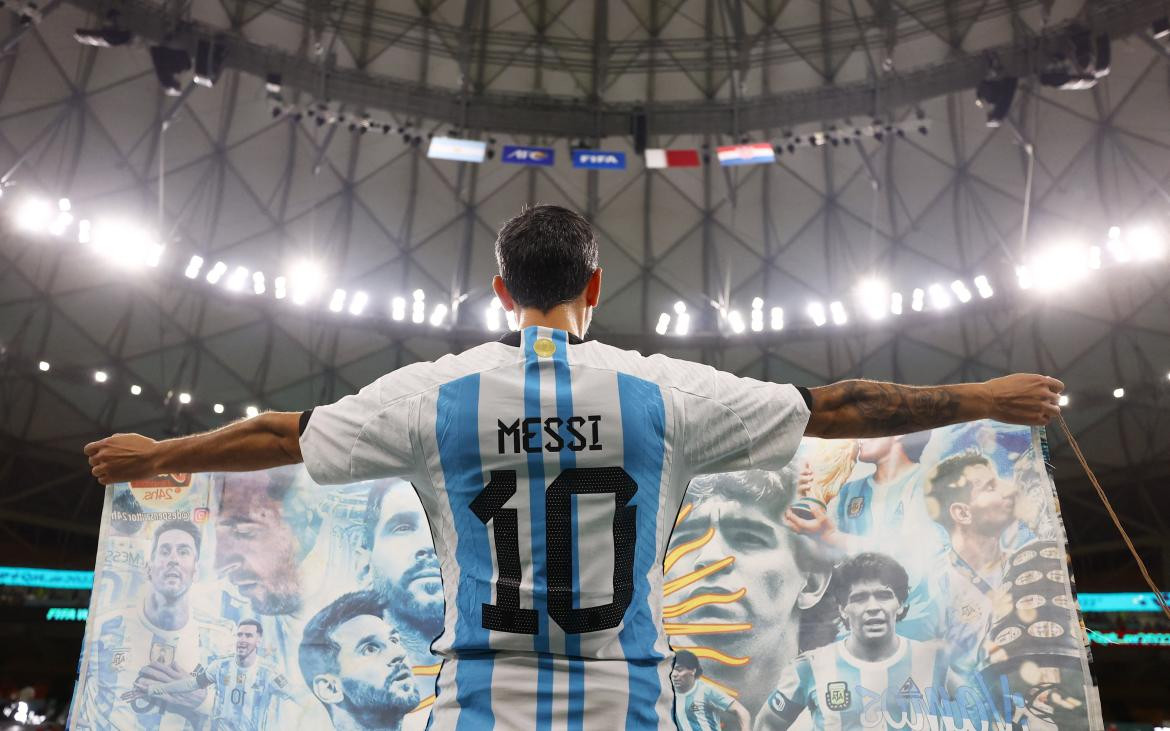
(302, 155)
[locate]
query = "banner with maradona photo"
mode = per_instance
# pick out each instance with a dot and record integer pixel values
(915, 582)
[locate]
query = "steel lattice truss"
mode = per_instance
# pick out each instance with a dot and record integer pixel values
(248, 188)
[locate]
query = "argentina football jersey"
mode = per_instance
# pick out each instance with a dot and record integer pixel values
(551, 471)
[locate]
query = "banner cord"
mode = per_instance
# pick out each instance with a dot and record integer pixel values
(1158, 596)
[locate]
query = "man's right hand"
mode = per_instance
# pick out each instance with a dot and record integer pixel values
(1024, 398)
(121, 458)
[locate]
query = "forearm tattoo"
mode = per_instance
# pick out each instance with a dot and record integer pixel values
(886, 409)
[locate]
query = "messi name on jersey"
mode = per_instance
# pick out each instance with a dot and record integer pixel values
(576, 433)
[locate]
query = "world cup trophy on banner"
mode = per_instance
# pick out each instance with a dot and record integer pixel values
(832, 461)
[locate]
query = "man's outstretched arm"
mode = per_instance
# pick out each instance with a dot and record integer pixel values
(859, 409)
(271, 439)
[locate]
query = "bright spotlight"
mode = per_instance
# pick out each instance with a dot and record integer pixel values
(1119, 393)
(418, 312)
(817, 312)
(983, 287)
(305, 281)
(357, 304)
(895, 303)
(398, 308)
(280, 288)
(1145, 243)
(872, 294)
(251, 412)
(680, 307)
(337, 302)
(135, 390)
(1062, 401)
(918, 299)
(101, 376)
(959, 287)
(60, 222)
(33, 215)
(258, 282)
(43, 366)
(83, 231)
(513, 325)
(837, 310)
(125, 244)
(193, 267)
(757, 303)
(235, 282)
(663, 324)
(757, 319)
(419, 295)
(491, 316)
(438, 314)
(735, 320)
(64, 205)
(1094, 258)
(1024, 276)
(1059, 267)
(682, 324)
(939, 299)
(1116, 246)
(216, 272)
(184, 398)
(217, 408)
(777, 318)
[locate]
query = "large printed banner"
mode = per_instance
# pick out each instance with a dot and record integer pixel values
(916, 582)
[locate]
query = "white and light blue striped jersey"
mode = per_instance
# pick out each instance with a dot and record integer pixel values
(551, 472)
(701, 708)
(244, 696)
(843, 692)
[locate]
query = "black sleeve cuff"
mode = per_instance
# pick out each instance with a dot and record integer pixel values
(306, 414)
(804, 394)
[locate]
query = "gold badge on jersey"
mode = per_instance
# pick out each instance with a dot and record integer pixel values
(544, 347)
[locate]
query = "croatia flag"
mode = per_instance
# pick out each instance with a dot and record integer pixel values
(672, 158)
(755, 153)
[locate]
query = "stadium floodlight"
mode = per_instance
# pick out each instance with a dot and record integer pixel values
(305, 280)
(1145, 243)
(757, 320)
(816, 311)
(43, 366)
(135, 389)
(491, 316)
(895, 303)
(513, 325)
(1119, 393)
(357, 303)
(184, 398)
(680, 307)
(235, 282)
(837, 310)
(918, 299)
(1117, 246)
(777, 318)
(418, 312)
(1063, 400)
(258, 283)
(983, 287)
(757, 303)
(60, 222)
(216, 272)
(1024, 276)
(64, 205)
(193, 267)
(398, 308)
(1093, 259)
(735, 320)
(418, 295)
(33, 215)
(280, 287)
(101, 376)
(872, 294)
(125, 244)
(939, 299)
(1059, 267)
(83, 231)
(438, 314)
(663, 324)
(959, 287)
(217, 408)
(251, 412)
(337, 302)
(682, 323)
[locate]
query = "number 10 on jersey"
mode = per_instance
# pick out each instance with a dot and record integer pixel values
(506, 614)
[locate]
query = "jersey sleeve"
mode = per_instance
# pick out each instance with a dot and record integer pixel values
(717, 698)
(734, 423)
(790, 697)
(364, 436)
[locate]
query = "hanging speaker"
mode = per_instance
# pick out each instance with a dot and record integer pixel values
(638, 128)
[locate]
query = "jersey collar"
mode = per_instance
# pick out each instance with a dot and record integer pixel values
(513, 339)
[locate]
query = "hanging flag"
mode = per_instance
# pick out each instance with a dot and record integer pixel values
(599, 160)
(672, 158)
(452, 148)
(753, 154)
(521, 155)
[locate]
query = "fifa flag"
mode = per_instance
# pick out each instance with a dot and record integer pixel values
(672, 158)
(753, 154)
(599, 160)
(453, 148)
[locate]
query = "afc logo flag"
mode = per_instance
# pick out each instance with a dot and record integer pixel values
(520, 155)
(599, 160)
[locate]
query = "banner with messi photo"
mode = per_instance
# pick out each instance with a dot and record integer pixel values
(911, 582)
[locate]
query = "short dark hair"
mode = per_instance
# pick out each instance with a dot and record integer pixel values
(185, 526)
(318, 651)
(946, 485)
(546, 256)
(870, 567)
(689, 660)
(254, 622)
